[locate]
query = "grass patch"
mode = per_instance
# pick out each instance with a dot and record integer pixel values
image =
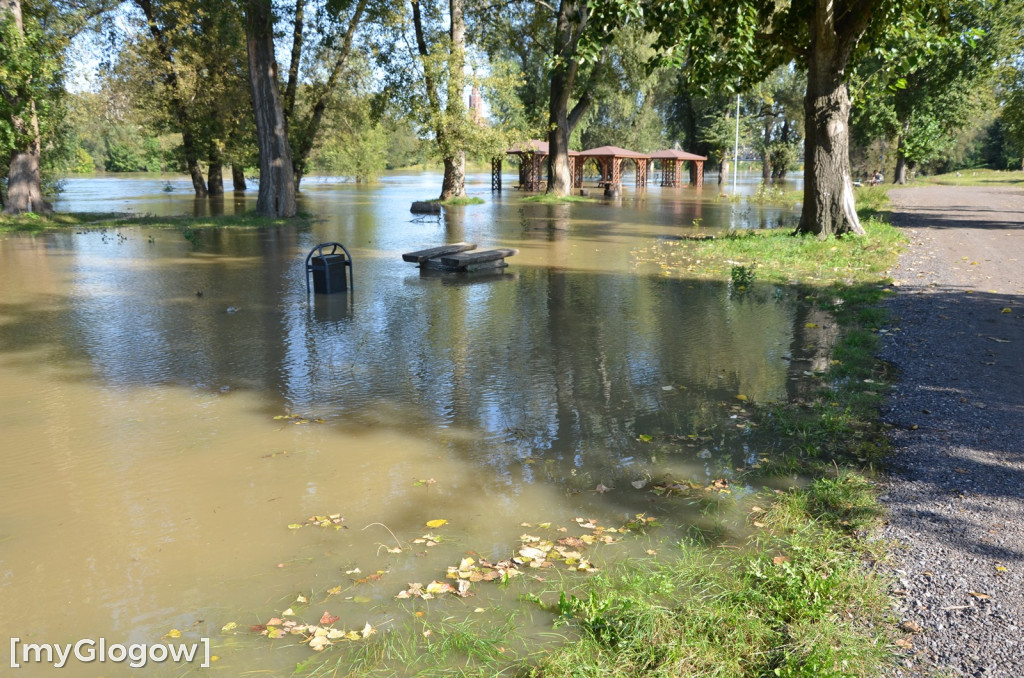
(777, 256)
(465, 200)
(550, 198)
(976, 177)
(799, 602)
(773, 195)
(34, 223)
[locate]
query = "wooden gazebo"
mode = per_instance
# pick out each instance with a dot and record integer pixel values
(671, 161)
(609, 161)
(533, 157)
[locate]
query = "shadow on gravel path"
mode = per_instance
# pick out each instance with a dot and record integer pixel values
(955, 489)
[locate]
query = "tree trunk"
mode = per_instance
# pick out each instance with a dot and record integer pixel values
(24, 183)
(215, 178)
(238, 178)
(276, 196)
(829, 207)
(572, 18)
(766, 161)
(454, 182)
(305, 141)
(24, 180)
(900, 175)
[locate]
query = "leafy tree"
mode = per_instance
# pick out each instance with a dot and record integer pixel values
(1011, 122)
(924, 86)
(740, 41)
(276, 197)
(33, 39)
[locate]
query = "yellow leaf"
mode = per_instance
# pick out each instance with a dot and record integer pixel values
(173, 633)
(1006, 310)
(810, 326)
(230, 626)
(741, 397)
(437, 523)
(1000, 568)
(295, 526)
(368, 630)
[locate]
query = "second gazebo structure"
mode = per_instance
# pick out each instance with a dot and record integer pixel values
(609, 161)
(671, 161)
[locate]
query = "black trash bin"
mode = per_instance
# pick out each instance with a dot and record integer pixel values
(329, 268)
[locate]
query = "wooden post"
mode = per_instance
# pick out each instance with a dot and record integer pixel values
(496, 173)
(700, 173)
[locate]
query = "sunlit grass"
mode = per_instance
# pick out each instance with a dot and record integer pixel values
(976, 177)
(32, 222)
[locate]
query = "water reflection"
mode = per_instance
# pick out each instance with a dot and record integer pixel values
(143, 373)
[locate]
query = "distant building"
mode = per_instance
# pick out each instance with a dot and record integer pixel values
(476, 106)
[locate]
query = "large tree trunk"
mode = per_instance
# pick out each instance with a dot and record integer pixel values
(276, 196)
(215, 178)
(24, 180)
(572, 18)
(829, 207)
(238, 178)
(454, 183)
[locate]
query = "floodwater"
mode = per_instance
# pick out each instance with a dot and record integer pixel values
(169, 406)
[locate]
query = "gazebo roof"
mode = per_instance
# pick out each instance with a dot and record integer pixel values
(612, 152)
(533, 146)
(675, 154)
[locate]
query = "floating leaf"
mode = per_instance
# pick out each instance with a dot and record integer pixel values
(1006, 310)
(173, 633)
(437, 523)
(601, 488)
(639, 484)
(368, 630)
(318, 643)
(328, 618)
(230, 626)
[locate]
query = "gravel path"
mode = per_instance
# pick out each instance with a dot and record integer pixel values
(955, 489)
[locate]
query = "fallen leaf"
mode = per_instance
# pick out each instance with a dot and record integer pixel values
(601, 488)
(328, 618)
(173, 633)
(231, 626)
(639, 484)
(318, 643)
(741, 397)
(437, 523)
(905, 643)
(911, 627)
(779, 560)
(1006, 310)
(368, 630)
(979, 595)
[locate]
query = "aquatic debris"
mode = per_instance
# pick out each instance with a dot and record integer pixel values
(333, 520)
(317, 636)
(298, 419)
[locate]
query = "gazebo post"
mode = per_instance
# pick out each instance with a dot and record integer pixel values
(496, 173)
(700, 174)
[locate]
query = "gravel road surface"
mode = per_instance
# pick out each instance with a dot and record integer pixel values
(955, 485)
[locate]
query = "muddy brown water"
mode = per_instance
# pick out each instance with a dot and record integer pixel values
(150, 475)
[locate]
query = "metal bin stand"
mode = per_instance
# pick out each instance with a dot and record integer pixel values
(329, 268)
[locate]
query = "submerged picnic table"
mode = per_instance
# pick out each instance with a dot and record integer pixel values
(459, 257)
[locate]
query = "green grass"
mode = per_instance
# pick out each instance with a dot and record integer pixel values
(551, 198)
(464, 200)
(976, 177)
(34, 223)
(777, 256)
(800, 601)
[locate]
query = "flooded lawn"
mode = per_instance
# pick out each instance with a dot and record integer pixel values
(170, 407)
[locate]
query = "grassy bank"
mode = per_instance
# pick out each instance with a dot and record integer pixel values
(803, 598)
(35, 223)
